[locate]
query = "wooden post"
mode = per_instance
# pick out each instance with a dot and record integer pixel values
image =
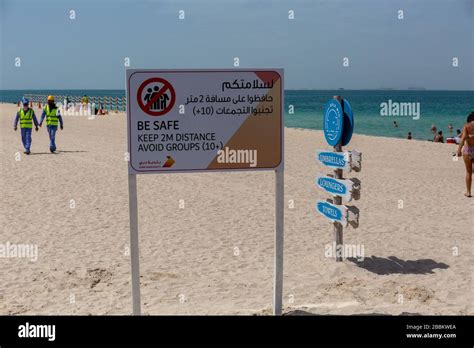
(338, 229)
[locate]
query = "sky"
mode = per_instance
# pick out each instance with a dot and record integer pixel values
(89, 51)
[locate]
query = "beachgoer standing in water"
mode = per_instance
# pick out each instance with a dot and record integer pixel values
(439, 137)
(467, 140)
(457, 138)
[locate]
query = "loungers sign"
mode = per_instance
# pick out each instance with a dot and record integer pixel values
(348, 189)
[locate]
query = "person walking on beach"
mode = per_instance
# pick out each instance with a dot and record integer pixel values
(52, 115)
(85, 100)
(27, 117)
(467, 152)
(409, 137)
(66, 103)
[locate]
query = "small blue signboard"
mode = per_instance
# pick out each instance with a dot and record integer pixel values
(333, 122)
(348, 123)
(330, 211)
(333, 186)
(333, 159)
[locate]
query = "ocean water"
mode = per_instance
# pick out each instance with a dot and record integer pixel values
(436, 107)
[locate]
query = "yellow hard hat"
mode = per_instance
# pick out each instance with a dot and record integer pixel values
(50, 97)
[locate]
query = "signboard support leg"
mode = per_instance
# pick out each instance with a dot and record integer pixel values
(338, 226)
(134, 250)
(279, 211)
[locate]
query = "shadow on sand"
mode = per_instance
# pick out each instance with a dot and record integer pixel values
(71, 151)
(299, 312)
(394, 265)
(57, 153)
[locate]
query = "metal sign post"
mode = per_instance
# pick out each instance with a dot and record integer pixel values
(279, 243)
(278, 271)
(134, 249)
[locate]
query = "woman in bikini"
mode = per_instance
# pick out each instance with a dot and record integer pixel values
(467, 139)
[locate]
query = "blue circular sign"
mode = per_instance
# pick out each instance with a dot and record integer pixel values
(348, 123)
(333, 122)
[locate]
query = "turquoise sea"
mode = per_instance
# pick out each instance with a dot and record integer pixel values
(436, 107)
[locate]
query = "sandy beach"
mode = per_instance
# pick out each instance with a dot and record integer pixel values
(215, 254)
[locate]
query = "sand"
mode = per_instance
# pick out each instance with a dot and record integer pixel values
(215, 255)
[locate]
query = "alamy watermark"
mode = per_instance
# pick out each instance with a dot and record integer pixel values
(28, 330)
(345, 251)
(11, 250)
(77, 109)
(228, 155)
(391, 108)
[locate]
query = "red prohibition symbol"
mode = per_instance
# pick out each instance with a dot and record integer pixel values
(156, 102)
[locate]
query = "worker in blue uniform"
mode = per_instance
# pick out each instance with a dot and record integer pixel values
(27, 117)
(53, 118)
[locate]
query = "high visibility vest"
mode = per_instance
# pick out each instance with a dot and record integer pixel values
(26, 118)
(51, 116)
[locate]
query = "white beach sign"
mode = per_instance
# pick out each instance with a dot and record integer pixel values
(204, 120)
(181, 121)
